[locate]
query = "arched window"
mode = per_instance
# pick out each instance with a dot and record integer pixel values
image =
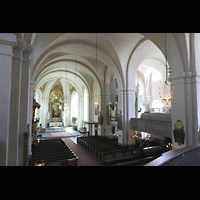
(157, 105)
(156, 76)
(86, 106)
(74, 104)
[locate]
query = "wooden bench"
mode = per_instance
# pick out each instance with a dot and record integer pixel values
(51, 158)
(114, 149)
(53, 152)
(89, 143)
(65, 162)
(137, 162)
(96, 150)
(105, 149)
(118, 156)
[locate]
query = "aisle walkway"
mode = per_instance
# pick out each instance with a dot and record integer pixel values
(84, 158)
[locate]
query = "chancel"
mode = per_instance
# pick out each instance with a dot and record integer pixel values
(121, 99)
(56, 107)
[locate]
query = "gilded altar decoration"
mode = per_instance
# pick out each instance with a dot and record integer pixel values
(56, 112)
(56, 106)
(56, 94)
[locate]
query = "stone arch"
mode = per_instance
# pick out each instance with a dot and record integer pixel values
(176, 53)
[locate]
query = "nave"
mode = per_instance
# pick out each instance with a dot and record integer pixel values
(60, 141)
(128, 85)
(75, 149)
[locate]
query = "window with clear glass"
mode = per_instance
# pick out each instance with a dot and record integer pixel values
(74, 104)
(156, 76)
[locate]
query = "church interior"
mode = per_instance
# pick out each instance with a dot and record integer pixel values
(99, 99)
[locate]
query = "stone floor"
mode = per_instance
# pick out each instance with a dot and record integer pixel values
(69, 133)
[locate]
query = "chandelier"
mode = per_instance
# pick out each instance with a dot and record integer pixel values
(166, 93)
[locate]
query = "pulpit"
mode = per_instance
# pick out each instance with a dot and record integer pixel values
(91, 123)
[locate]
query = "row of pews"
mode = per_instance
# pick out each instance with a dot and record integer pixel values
(52, 152)
(109, 152)
(106, 150)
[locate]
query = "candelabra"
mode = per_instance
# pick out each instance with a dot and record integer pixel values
(166, 92)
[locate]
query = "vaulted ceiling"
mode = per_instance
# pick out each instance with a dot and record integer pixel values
(90, 56)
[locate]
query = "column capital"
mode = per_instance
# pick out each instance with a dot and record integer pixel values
(18, 49)
(29, 48)
(126, 91)
(7, 42)
(32, 83)
(8, 38)
(28, 53)
(21, 44)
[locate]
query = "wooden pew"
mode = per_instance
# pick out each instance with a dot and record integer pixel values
(51, 158)
(53, 152)
(99, 146)
(117, 156)
(91, 142)
(114, 149)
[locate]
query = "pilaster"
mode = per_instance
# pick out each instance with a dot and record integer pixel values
(126, 103)
(15, 102)
(24, 99)
(30, 114)
(7, 42)
(44, 110)
(178, 109)
(105, 128)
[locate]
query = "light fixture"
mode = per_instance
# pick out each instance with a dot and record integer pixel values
(40, 164)
(166, 93)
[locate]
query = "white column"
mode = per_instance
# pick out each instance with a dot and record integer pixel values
(65, 112)
(105, 129)
(24, 99)
(7, 41)
(126, 103)
(195, 80)
(30, 114)
(15, 103)
(44, 110)
(122, 98)
(178, 110)
(196, 108)
(186, 101)
(130, 114)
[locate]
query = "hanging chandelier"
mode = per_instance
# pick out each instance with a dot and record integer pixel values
(166, 93)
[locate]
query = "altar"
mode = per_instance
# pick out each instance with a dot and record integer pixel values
(55, 124)
(56, 107)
